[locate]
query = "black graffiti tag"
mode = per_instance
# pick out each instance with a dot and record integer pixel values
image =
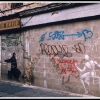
(79, 48)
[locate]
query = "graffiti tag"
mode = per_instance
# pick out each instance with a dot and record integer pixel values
(60, 35)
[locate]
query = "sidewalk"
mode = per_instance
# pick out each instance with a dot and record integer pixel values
(13, 89)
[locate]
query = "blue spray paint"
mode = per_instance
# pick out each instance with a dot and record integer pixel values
(42, 37)
(57, 35)
(60, 35)
(84, 32)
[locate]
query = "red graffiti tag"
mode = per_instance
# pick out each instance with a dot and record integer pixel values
(68, 61)
(71, 70)
(62, 70)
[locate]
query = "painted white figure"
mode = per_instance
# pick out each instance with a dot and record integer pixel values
(84, 78)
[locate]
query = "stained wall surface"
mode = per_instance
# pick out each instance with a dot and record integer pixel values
(10, 43)
(63, 56)
(66, 56)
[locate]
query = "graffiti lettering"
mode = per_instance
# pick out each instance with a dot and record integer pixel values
(57, 35)
(62, 70)
(67, 70)
(71, 70)
(68, 61)
(42, 37)
(61, 51)
(60, 35)
(80, 48)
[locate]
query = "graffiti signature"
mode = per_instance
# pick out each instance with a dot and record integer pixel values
(78, 48)
(61, 50)
(68, 69)
(60, 35)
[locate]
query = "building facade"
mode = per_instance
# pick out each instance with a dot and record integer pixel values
(57, 47)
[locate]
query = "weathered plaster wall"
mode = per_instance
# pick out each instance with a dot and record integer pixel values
(11, 43)
(56, 50)
(6, 7)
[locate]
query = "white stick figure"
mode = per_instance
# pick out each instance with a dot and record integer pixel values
(84, 78)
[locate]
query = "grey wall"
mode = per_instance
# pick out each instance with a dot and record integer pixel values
(54, 51)
(11, 43)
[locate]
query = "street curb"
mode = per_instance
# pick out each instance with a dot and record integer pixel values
(59, 91)
(51, 90)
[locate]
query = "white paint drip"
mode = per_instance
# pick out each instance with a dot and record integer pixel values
(44, 73)
(45, 82)
(27, 47)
